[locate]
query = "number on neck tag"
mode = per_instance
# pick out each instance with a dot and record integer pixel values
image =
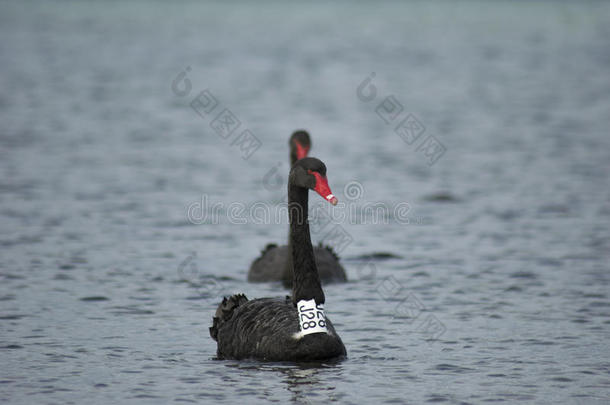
(311, 317)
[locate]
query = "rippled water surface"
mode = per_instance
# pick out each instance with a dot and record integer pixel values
(497, 288)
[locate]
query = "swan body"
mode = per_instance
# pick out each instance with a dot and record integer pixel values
(294, 328)
(274, 257)
(268, 329)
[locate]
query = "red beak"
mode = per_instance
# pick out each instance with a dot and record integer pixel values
(323, 188)
(302, 151)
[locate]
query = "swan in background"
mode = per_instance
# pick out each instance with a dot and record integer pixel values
(274, 262)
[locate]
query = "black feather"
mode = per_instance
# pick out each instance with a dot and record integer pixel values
(268, 328)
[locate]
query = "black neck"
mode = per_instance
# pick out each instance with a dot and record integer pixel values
(306, 282)
(293, 155)
(287, 271)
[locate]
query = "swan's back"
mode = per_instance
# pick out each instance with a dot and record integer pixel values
(265, 329)
(270, 265)
(273, 265)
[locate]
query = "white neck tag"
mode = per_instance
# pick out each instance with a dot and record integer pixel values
(311, 317)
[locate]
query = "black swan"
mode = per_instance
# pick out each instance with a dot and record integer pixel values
(285, 329)
(274, 262)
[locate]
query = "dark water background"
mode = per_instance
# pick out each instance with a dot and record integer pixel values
(501, 291)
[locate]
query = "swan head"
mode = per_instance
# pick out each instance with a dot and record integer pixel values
(310, 173)
(300, 143)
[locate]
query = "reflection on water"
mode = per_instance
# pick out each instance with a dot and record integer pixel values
(306, 382)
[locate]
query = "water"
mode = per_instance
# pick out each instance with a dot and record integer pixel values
(499, 291)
